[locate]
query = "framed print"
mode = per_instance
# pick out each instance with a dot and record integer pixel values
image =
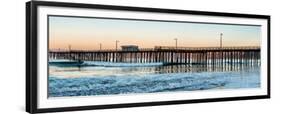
(89, 56)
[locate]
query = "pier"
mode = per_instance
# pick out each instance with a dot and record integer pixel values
(166, 54)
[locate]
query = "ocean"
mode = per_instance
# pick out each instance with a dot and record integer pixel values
(102, 78)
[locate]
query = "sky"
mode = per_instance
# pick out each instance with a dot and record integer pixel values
(89, 33)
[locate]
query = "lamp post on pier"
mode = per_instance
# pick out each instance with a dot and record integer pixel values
(221, 40)
(176, 42)
(221, 53)
(69, 48)
(116, 44)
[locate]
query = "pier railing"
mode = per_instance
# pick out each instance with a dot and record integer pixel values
(207, 48)
(168, 48)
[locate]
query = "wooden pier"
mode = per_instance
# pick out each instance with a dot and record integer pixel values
(167, 55)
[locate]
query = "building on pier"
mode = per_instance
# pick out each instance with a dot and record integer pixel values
(130, 48)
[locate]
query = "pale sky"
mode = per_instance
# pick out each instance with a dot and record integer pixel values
(88, 33)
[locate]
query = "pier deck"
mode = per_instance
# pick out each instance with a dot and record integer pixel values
(166, 54)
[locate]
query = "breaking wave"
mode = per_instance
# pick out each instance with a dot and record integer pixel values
(65, 63)
(104, 85)
(120, 64)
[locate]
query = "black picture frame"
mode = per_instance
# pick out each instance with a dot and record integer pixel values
(32, 55)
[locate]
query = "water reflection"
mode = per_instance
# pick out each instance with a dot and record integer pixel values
(77, 71)
(204, 68)
(192, 68)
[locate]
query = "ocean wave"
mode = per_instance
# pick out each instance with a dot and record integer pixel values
(120, 64)
(86, 86)
(65, 63)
